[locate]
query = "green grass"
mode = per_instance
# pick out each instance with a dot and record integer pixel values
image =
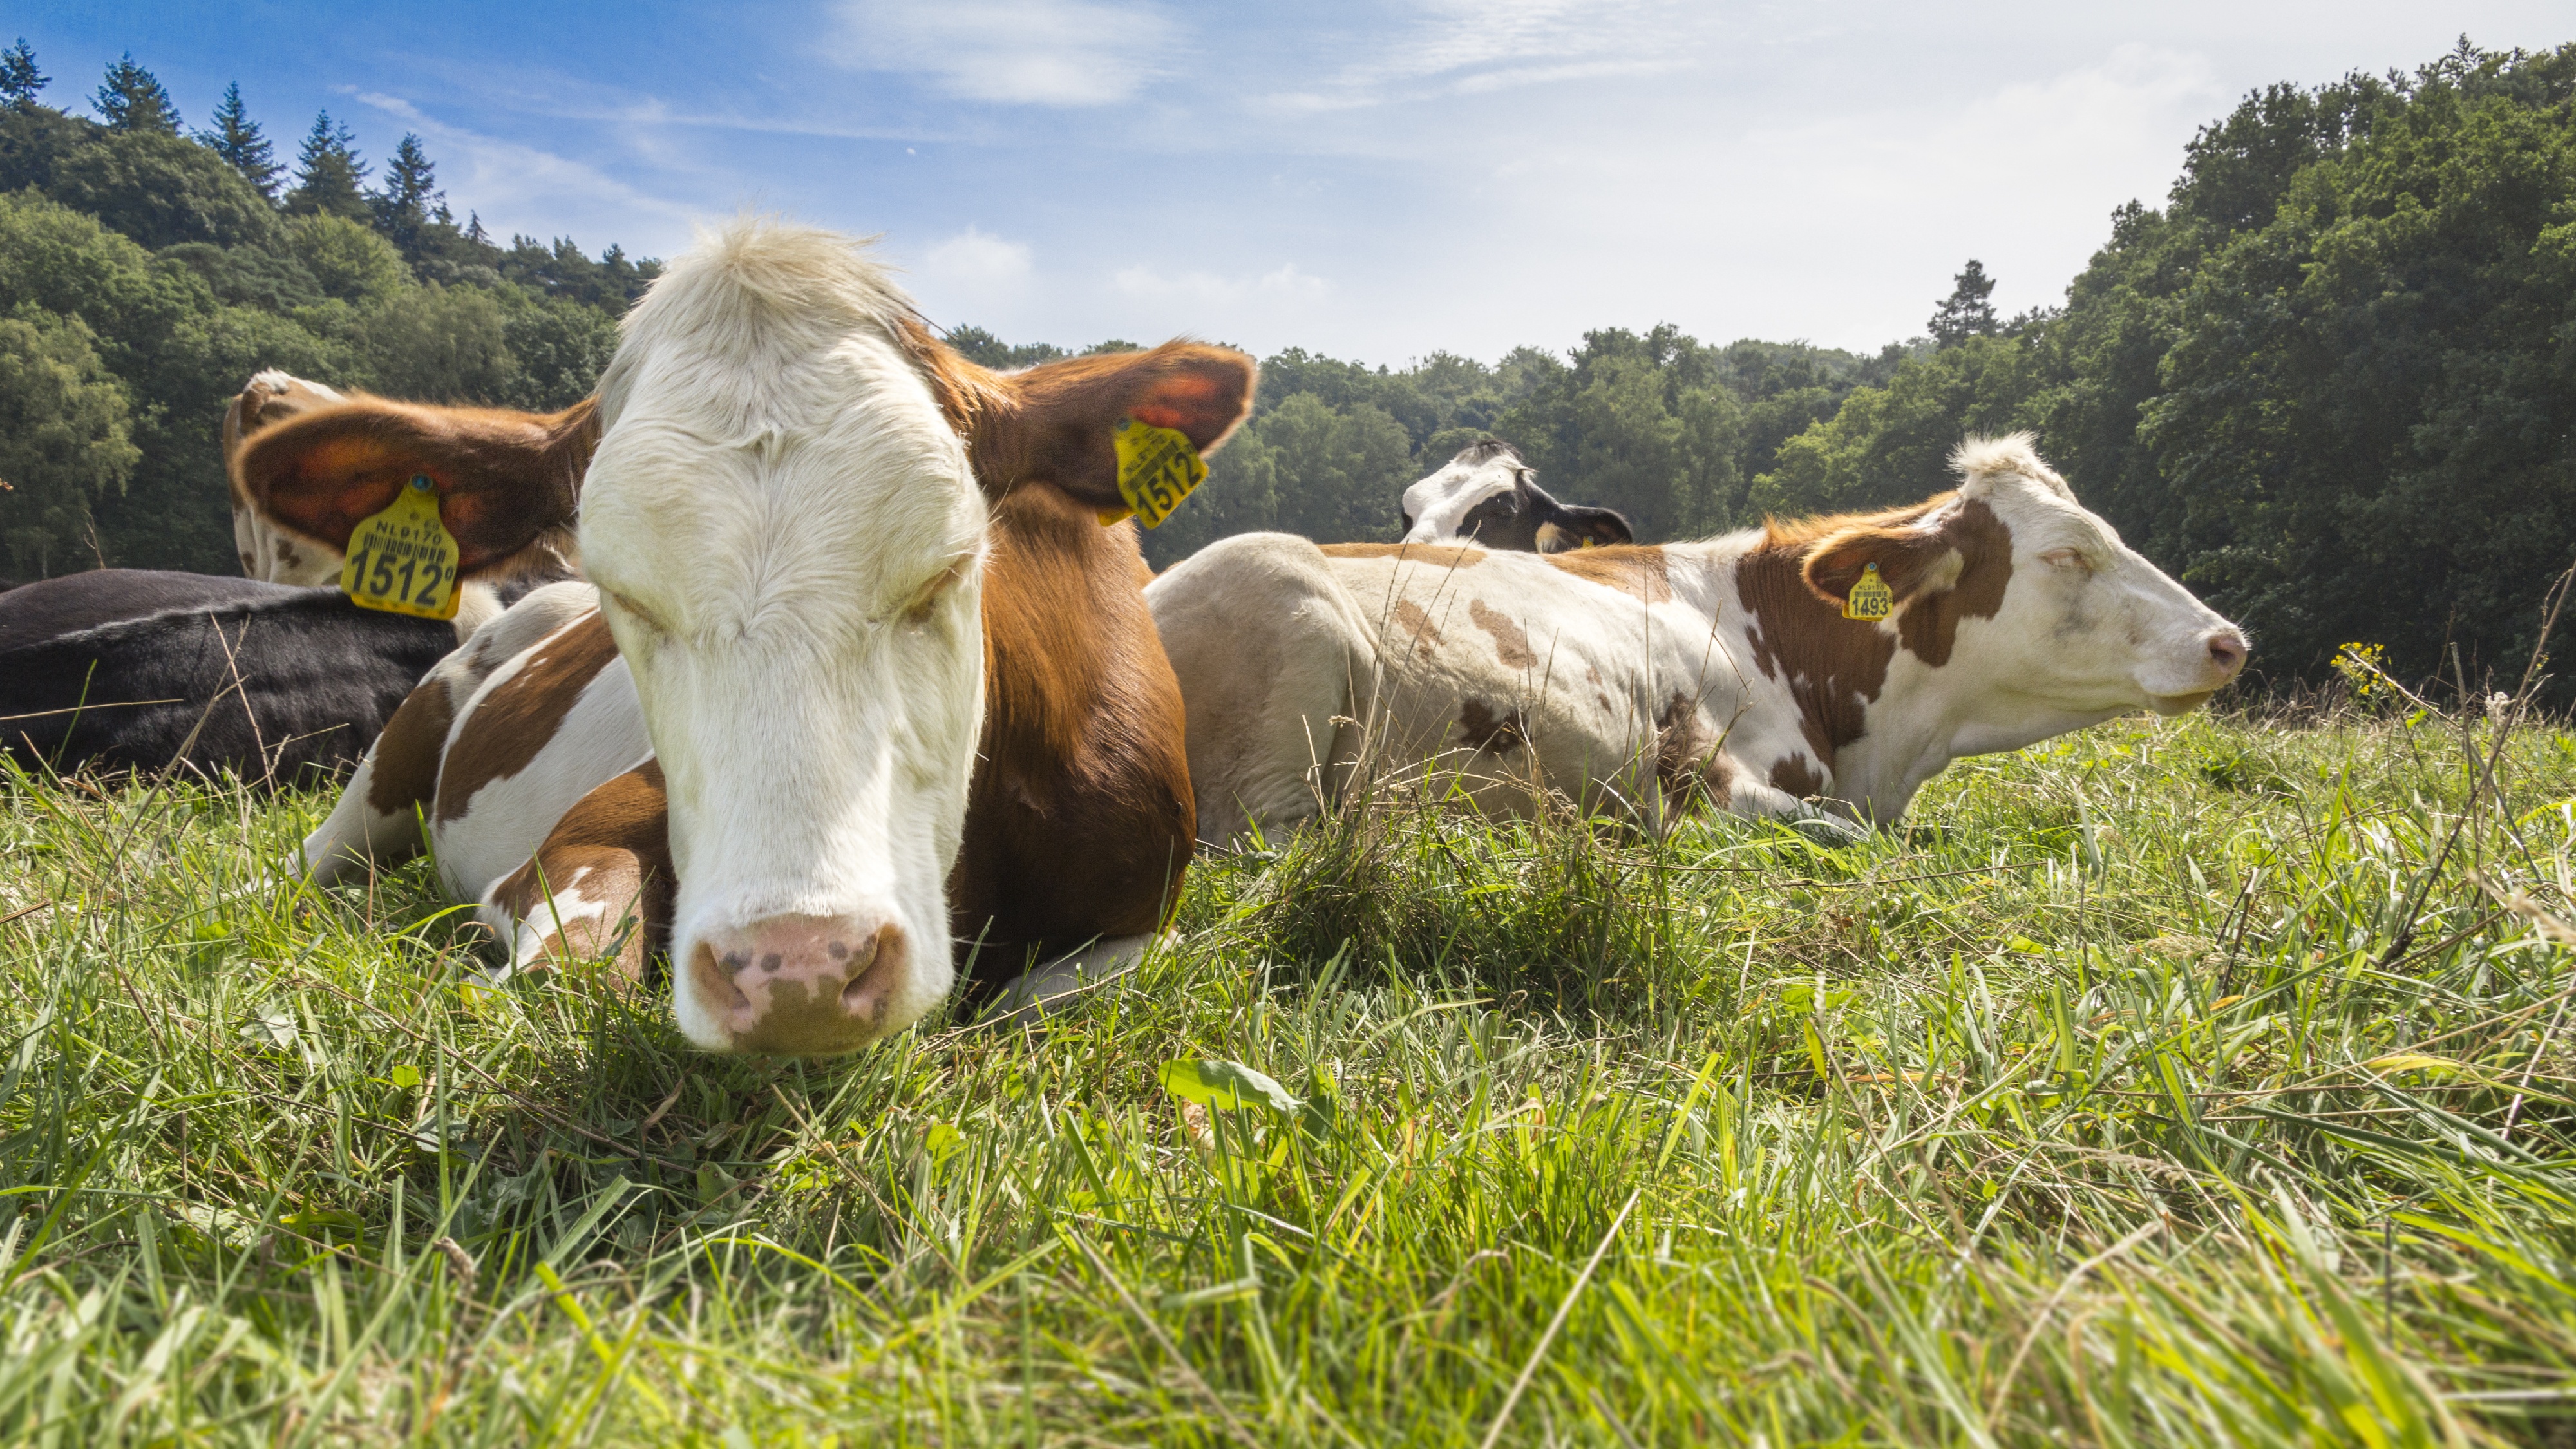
(2192, 1083)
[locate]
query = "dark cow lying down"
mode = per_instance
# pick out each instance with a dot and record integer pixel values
(1487, 496)
(121, 668)
(1838, 662)
(857, 635)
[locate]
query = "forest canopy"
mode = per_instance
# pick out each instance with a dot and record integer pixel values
(2330, 382)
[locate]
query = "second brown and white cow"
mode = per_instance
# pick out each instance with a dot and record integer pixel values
(864, 686)
(1646, 679)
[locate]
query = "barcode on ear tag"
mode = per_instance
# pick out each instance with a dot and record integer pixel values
(1870, 599)
(1157, 468)
(403, 560)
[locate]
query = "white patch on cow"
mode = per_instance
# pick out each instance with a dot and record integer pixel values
(554, 918)
(775, 491)
(1438, 505)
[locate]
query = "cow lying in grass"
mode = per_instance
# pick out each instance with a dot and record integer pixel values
(857, 633)
(1648, 679)
(1487, 496)
(268, 675)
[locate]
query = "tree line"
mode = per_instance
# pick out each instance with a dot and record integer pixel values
(2330, 382)
(146, 271)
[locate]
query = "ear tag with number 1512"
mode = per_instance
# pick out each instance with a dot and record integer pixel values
(403, 560)
(1157, 468)
(1870, 599)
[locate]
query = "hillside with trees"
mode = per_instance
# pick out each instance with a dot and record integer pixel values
(2330, 382)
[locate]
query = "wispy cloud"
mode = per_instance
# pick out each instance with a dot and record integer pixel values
(1021, 52)
(1285, 283)
(512, 184)
(975, 256)
(1474, 47)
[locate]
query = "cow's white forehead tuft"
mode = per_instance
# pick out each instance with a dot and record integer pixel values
(1981, 463)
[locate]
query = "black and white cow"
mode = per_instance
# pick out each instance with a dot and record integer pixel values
(1487, 495)
(264, 677)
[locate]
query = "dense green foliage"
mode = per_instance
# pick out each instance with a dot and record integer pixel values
(2332, 384)
(144, 276)
(2193, 1083)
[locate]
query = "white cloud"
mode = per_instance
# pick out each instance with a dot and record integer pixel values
(1023, 52)
(1287, 283)
(974, 257)
(1475, 47)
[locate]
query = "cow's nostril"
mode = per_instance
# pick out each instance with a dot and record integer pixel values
(873, 966)
(2227, 649)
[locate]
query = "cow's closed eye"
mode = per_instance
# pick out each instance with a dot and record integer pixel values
(2070, 559)
(917, 607)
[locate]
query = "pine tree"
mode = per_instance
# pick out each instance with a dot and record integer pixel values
(327, 172)
(131, 99)
(410, 200)
(1969, 310)
(19, 78)
(238, 139)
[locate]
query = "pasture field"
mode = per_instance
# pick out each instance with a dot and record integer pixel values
(2195, 1082)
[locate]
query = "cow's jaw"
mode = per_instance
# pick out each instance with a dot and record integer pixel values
(788, 541)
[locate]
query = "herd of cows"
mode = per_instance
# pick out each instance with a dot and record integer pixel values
(801, 654)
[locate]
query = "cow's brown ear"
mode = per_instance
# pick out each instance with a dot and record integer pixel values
(1909, 560)
(1052, 423)
(502, 477)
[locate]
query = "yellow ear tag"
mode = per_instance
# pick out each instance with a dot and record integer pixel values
(403, 560)
(1157, 468)
(1870, 599)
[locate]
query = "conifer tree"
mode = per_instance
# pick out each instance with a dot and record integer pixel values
(238, 139)
(327, 172)
(132, 99)
(19, 78)
(1968, 311)
(409, 201)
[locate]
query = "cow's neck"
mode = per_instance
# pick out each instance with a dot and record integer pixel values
(1871, 715)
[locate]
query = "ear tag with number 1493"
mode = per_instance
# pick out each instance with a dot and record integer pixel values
(1870, 599)
(1157, 468)
(403, 560)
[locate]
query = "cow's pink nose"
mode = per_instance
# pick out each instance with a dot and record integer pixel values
(800, 985)
(2227, 649)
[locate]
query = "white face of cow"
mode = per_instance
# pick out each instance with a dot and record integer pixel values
(1487, 495)
(1437, 509)
(2025, 615)
(788, 542)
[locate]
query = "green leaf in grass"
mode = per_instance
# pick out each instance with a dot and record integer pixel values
(1228, 1086)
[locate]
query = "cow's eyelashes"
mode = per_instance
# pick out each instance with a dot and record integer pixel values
(2071, 559)
(917, 607)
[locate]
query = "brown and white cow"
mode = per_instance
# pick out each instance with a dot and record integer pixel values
(857, 634)
(1644, 679)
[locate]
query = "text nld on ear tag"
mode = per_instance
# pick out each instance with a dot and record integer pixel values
(1870, 599)
(403, 560)
(1157, 468)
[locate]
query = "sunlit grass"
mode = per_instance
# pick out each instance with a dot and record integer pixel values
(2191, 1083)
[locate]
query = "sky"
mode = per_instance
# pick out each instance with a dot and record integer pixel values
(1376, 181)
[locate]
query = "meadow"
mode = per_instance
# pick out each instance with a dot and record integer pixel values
(2176, 1082)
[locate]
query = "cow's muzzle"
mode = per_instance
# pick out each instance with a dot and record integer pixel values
(800, 985)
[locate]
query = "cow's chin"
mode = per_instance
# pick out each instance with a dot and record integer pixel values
(2174, 705)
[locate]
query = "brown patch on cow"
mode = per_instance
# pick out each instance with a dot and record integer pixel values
(403, 772)
(1929, 626)
(521, 714)
(1482, 727)
(1635, 569)
(613, 847)
(1437, 555)
(1416, 624)
(1836, 666)
(1689, 767)
(1079, 820)
(1795, 777)
(1511, 641)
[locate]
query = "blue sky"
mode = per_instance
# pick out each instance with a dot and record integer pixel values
(1366, 180)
